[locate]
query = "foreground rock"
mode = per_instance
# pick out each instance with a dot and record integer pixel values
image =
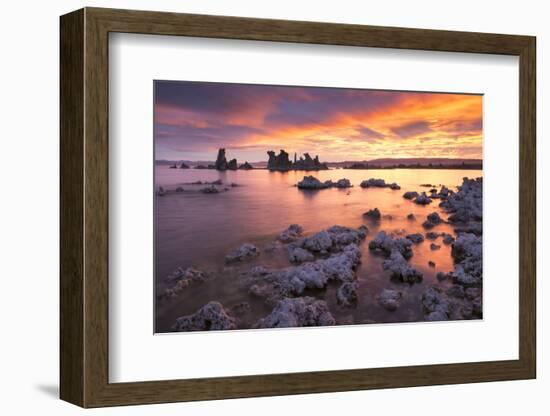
(346, 295)
(440, 305)
(379, 183)
(466, 206)
(468, 255)
(432, 220)
(298, 312)
(299, 255)
(397, 250)
(389, 299)
(373, 214)
(210, 317)
(386, 244)
(292, 233)
(410, 195)
(422, 199)
(314, 275)
(416, 238)
(400, 269)
(333, 239)
(244, 252)
(180, 279)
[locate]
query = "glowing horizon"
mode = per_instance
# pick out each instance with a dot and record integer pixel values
(194, 119)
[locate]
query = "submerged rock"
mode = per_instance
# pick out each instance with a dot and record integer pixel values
(244, 252)
(292, 233)
(411, 217)
(210, 190)
(180, 279)
(378, 183)
(410, 195)
(298, 312)
(422, 199)
(346, 295)
(432, 220)
(386, 244)
(415, 238)
(400, 269)
(434, 246)
(210, 317)
(389, 299)
(373, 214)
(448, 239)
(433, 235)
(299, 255)
(436, 305)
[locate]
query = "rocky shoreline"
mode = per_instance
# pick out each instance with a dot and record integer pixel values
(296, 294)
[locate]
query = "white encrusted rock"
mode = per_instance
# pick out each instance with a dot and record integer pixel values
(298, 312)
(244, 252)
(210, 317)
(292, 233)
(389, 299)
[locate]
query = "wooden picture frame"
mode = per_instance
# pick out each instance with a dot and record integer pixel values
(84, 207)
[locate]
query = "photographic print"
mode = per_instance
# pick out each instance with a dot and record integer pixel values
(293, 206)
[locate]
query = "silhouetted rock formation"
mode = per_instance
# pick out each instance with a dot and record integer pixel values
(246, 166)
(232, 164)
(281, 162)
(222, 163)
(184, 166)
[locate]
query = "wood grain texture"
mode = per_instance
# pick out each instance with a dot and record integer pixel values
(71, 208)
(84, 204)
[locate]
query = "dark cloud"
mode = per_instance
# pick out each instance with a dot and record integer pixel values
(412, 129)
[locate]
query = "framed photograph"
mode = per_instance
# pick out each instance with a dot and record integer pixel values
(257, 207)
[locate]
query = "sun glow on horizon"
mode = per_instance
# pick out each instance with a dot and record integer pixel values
(194, 119)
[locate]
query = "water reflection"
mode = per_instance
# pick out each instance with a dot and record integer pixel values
(198, 230)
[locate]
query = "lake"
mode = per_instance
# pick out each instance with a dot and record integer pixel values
(193, 229)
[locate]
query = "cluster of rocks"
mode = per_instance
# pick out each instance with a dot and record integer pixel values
(373, 214)
(210, 317)
(298, 312)
(397, 251)
(244, 252)
(466, 206)
(463, 299)
(432, 220)
(312, 183)
(282, 162)
(182, 165)
(378, 183)
(180, 279)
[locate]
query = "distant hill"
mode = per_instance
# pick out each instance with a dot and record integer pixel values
(382, 163)
(416, 162)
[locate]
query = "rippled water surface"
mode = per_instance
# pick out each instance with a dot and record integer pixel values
(198, 230)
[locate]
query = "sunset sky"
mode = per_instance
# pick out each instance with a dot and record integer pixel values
(194, 119)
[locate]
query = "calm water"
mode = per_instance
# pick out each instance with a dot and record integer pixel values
(198, 230)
